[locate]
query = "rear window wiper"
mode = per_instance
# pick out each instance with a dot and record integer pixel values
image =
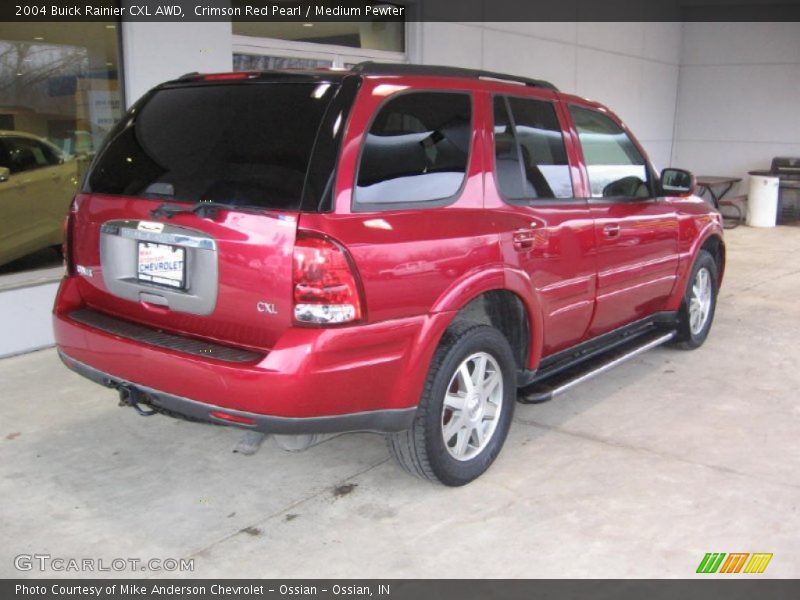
(203, 209)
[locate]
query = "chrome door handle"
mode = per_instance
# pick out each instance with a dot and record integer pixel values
(523, 239)
(611, 230)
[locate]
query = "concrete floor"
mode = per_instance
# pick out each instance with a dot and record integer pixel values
(638, 473)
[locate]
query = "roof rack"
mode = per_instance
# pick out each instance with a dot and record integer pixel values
(375, 68)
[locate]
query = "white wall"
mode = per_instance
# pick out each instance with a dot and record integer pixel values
(631, 67)
(739, 97)
(25, 321)
(157, 52)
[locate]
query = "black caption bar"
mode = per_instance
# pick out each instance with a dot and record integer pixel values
(396, 589)
(400, 10)
(201, 10)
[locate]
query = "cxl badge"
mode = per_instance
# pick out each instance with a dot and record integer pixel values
(266, 307)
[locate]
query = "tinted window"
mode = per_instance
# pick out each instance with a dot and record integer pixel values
(24, 154)
(242, 145)
(614, 165)
(530, 157)
(416, 149)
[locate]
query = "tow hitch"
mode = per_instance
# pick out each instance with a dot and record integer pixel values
(130, 396)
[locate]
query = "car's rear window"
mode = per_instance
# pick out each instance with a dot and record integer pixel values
(241, 145)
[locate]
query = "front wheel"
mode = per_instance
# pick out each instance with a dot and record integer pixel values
(465, 410)
(699, 303)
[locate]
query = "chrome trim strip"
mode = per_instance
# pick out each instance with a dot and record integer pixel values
(611, 364)
(173, 235)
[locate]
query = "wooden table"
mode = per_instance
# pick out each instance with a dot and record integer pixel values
(707, 183)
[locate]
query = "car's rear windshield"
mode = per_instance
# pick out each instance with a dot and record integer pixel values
(240, 145)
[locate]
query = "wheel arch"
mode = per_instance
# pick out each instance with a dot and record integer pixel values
(501, 298)
(715, 246)
(710, 240)
(506, 312)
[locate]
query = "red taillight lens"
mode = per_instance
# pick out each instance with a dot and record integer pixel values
(227, 76)
(218, 414)
(325, 288)
(67, 243)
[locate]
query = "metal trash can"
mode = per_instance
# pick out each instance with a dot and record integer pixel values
(762, 199)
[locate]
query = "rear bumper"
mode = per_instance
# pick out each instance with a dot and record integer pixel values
(312, 380)
(377, 420)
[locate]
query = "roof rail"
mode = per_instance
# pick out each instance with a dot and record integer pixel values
(375, 68)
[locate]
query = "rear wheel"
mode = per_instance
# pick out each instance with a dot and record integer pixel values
(466, 408)
(699, 303)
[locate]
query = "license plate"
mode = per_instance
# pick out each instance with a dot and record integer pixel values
(162, 264)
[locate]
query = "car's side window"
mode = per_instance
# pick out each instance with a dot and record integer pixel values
(416, 151)
(25, 154)
(53, 156)
(530, 155)
(615, 166)
(5, 158)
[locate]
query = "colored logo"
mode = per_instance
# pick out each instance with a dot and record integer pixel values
(735, 562)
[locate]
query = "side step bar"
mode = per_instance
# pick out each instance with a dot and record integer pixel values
(545, 390)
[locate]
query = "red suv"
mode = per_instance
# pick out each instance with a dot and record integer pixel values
(395, 248)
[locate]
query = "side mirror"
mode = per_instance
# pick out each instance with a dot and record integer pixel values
(677, 182)
(5, 173)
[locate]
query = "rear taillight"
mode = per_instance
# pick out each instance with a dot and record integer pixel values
(325, 285)
(67, 244)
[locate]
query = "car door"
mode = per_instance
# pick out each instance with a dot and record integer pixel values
(37, 195)
(15, 198)
(545, 230)
(636, 232)
(417, 227)
(60, 182)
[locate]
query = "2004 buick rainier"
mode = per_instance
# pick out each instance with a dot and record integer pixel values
(400, 249)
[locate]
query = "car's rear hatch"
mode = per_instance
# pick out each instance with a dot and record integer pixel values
(188, 216)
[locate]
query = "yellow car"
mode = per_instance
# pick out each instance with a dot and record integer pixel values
(37, 183)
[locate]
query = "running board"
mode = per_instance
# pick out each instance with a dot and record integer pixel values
(545, 390)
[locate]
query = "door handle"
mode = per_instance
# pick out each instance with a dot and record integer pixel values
(611, 230)
(523, 239)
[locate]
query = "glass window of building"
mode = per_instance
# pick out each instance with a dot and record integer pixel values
(265, 45)
(380, 34)
(60, 94)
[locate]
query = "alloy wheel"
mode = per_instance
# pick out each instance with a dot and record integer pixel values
(700, 301)
(472, 405)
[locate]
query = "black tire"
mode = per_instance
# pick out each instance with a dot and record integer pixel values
(687, 339)
(422, 450)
